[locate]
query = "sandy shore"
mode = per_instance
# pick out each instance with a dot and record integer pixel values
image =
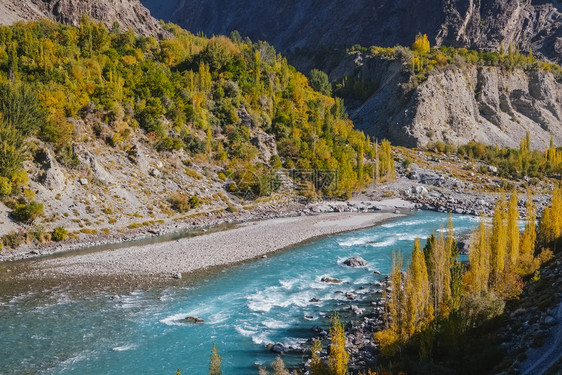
(247, 241)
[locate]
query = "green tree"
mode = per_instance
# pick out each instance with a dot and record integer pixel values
(13, 150)
(20, 108)
(320, 82)
(28, 212)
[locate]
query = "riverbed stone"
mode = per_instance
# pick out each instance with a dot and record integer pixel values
(355, 261)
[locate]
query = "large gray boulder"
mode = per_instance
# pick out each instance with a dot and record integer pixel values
(356, 261)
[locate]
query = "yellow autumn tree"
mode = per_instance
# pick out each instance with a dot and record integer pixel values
(215, 362)
(499, 240)
(550, 224)
(338, 358)
(420, 308)
(316, 364)
(513, 233)
(421, 45)
(528, 238)
(440, 277)
(479, 258)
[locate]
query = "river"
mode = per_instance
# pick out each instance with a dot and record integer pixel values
(77, 330)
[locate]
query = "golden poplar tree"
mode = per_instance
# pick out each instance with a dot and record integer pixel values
(410, 299)
(316, 364)
(499, 240)
(421, 45)
(215, 362)
(479, 258)
(529, 236)
(513, 233)
(338, 357)
(550, 224)
(422, 307)
(396, 295)
(441, 275)
(456, 268)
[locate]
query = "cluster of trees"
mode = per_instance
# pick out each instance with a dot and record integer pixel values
(207, 96)
(436, 300)
(422, 59)
(511, 162)
(550, 224)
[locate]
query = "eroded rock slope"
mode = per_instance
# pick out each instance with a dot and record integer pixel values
(456, 104)
(128, 13)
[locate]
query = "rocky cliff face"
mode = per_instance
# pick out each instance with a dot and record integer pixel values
(529, 24)
(457, 104)
(128, 13)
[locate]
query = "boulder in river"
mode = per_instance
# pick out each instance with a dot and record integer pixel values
(326, 279)
(278, 348)
(315, 300)
(194, 319)
(355, 262)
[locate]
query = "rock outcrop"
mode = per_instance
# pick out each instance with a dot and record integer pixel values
(291, 24)
(456, 104)
(128, 13)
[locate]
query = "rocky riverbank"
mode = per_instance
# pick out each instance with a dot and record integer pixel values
(203, 223)
(173, 258)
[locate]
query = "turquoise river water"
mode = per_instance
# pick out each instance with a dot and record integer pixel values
(245, 307)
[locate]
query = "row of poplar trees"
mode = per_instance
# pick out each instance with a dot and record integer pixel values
(436, 285)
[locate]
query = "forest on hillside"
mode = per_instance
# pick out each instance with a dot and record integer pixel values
(210, 97)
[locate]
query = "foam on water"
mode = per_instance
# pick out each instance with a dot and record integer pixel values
(175, 320)
(385, 243)
(270, 298)
(276, 324)
(357, 241)
(124, 348)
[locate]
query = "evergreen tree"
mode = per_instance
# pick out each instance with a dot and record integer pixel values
(320, 82)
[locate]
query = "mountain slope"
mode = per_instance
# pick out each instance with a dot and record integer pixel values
(128, 13)
(456, 103)
(535, 25)
(104, 128)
